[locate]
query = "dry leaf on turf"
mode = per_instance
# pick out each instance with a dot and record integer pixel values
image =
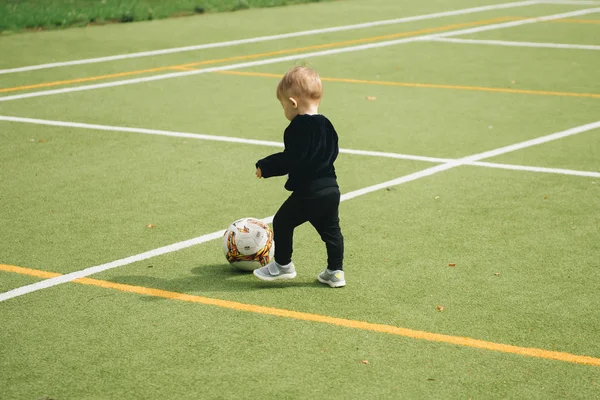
(150, 226)
(497, 273)
(365, 362)
(439, 308)
(371, 98)
(452, 264)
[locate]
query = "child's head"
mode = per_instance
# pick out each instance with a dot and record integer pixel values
(299, 91)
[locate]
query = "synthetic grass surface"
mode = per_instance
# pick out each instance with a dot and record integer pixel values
(17, 15)
(524, 244)
(71, 180)
(59, 45)
(114, 345)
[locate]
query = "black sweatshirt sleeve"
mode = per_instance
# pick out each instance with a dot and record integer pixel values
(297, 145)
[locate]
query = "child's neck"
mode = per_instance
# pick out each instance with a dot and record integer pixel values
(308, 109)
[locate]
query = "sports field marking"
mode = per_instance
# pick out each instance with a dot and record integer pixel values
(559, 171)
(518, 44)
(230, 139)
(300, 56)
(521, 22)
(425, 85)
(188, 66)
(578, 21)
(324, 319)
(86, 79)
(570, 2)
(273, 37)
(38, 273)
(182, 68)
(347, 196)
(563, 20)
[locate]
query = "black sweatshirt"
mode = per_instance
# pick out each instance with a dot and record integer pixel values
(311, 147)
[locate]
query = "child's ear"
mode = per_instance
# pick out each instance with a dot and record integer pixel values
(294, 102)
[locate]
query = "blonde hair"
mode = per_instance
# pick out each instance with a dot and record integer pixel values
(302, 82)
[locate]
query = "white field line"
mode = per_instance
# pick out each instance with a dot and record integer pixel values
(517, 23)
(298, 56)
(47, 283)
(572, 2)
(559, 171)
(200, 136)
(473, 158)
(268, 143)
(518, 44)
(271, 37)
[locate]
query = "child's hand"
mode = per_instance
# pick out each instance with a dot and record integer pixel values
(258, 173)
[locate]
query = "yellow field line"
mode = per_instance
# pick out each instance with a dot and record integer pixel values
(250, 56)
(80, 80)
(183, 69)
(347, 323)
(28, 271)
(425, 85)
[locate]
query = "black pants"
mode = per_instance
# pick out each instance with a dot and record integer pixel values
(321, 210)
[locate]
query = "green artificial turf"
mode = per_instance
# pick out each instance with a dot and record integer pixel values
(18, 15)
(510, 256)
(85, 342)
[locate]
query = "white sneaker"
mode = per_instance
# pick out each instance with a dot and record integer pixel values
(273, 271)
(332, 278)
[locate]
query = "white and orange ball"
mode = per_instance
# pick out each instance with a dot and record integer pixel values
(248, 244)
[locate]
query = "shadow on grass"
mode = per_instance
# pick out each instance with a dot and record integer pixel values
(212, 279)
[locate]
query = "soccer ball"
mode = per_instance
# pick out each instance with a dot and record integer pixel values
(248, 244)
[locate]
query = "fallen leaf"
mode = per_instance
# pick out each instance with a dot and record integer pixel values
(497, 273)
(42, 141)
(439, 308)
(151, 226)
(371, 98)
(366, 362)
(452, 264)
(546, 197)
(436, 197)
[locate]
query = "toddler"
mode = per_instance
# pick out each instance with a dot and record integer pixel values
(311, 147)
